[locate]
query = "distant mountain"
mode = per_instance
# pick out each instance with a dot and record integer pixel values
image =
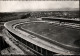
(69, 9)
(64, 9)
(58, 9)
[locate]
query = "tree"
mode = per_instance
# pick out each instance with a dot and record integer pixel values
(25, 16)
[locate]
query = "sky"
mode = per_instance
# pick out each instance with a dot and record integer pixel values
(18, 6)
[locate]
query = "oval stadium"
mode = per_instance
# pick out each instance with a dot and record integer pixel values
(45, 37)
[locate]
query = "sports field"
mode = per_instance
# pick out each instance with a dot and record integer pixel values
(54, 32)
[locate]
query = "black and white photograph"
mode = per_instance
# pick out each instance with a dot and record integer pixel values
(39, 27)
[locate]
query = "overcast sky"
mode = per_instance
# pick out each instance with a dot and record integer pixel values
(14, 6)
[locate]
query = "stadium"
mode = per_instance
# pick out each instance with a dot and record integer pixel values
(46, 36)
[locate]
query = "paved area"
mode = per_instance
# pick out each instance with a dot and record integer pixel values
(10, 51)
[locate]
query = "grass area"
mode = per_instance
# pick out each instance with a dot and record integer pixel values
(1, 27)
(4, 17)
(60, 33)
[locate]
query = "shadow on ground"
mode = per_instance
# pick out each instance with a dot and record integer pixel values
(3, 44)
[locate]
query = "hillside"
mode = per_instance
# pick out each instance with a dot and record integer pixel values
(37, 14)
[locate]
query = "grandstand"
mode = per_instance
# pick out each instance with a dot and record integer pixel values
(45, 37)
